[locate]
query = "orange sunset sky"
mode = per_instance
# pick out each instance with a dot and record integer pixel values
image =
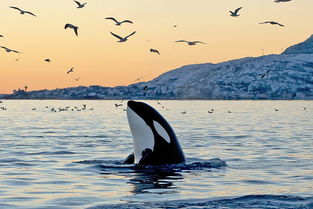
(99, 60)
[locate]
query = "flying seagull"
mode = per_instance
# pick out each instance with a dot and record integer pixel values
(235, 13)
(77, 79)
(75, 28)
(1, 36)
(23, 11)
(80, 5)
(267, 72)
(273, 23)
(118, 105)
(47, 60)
(137, 79)
(123, 39)
(154, 51)
(191, 43)
(9, 50)
(117, 22)
(277, 1)
(70, 71)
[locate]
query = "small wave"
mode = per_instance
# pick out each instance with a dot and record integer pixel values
(62, 153)
(97, 162)
(199, 165)
(244, 202)
(24, 164)
(170, 168)
(83, 136)
(3, 205)
(31, 136)
(11, 160)
(52, 153)
(259, 182)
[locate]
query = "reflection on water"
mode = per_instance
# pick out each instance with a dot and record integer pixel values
(155, 179)
(157, 183)
(72, 159)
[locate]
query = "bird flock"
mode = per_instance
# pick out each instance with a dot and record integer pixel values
(118, 105)
(235, 13)
(75, 108)
(121, 38)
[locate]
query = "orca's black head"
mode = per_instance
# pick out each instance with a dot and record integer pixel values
(144, 111)
(151, 131)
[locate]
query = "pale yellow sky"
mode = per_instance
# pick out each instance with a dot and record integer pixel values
(99, 60)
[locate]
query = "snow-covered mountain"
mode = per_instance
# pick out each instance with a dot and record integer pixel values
(267, 77)
(305, 47)
(285, 76)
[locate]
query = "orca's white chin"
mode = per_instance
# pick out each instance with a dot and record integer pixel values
(142, 134)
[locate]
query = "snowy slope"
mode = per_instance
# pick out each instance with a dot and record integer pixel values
(305, 47)
(267, 77)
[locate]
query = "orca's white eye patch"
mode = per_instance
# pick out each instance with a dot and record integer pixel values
(161, 131)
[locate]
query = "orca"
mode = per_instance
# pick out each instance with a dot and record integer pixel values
(154, 140)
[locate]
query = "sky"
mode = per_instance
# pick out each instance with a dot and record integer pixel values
(97, 57)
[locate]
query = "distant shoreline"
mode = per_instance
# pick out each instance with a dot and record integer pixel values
(151, 99)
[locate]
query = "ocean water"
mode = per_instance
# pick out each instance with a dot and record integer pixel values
(243, 155)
